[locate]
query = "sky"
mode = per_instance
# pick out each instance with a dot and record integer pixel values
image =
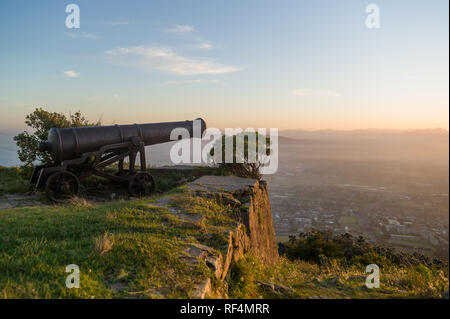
(286, 64)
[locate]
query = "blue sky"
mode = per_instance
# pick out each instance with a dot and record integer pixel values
(286, 64)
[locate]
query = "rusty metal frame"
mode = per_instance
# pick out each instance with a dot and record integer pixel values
(93, 163)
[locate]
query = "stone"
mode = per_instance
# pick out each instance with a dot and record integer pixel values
(276, 287)
(4, 204)
(283, 289)
(202, 289)
(256, 217)
(191, 218)
(357, 278)
(332, 282)
(118, 286)
(212, 258)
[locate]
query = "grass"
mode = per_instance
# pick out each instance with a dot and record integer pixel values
(124, 249)
(308, 280)
(11, 181)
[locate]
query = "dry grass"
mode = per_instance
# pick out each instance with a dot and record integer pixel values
(104, 244)
(78, 202)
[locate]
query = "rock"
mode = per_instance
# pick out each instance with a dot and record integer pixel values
(252, 232)
(228, 199)
(191, 218)
(256, 216)
(283, 289)
(223, 184)
(19, 200)
(269, 285)
(244, 199)
(161, 202)
(4, 203)
(275, 287)
(213, 259)
(357, 278)
(118, 286)
(202, 289)
(335, 281)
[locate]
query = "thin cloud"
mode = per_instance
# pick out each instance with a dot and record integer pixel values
(205, 46)
(188, 32)
(178, 28)
(71, 74)
(117, 23)
(166, 60)
(310, 92)
(192, 81)
(82, 35)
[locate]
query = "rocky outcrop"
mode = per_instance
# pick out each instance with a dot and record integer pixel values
(254, 231)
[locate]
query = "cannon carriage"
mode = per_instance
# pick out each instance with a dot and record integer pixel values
(78, 153)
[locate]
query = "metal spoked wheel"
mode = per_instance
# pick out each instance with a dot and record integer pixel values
(61, 186)
(141, 184)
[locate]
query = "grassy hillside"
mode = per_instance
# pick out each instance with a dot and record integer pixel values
(123, 249)
(301, 279)
(132, 249)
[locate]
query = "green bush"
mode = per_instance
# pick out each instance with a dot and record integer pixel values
(312, 246)
(319, 246)
(41, 121)
(243, 164)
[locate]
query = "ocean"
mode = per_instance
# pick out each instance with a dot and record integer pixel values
(8, 151)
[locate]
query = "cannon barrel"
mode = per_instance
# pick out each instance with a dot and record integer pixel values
(70, 143)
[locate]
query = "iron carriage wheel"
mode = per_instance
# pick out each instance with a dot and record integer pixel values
(61, 185)
(141, 184)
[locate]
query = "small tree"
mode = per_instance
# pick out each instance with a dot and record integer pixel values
(246, 160)
(42, 121)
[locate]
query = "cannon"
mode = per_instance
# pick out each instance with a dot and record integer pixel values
(78, 153)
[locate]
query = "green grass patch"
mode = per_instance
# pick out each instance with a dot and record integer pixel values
(309, 280)
(11, 181)
(124, 249)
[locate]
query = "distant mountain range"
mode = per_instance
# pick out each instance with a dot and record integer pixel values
(363, 133)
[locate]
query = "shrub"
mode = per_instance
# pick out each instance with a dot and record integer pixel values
(312, 246)
(247, 154)
(321, 246)
(41, 121)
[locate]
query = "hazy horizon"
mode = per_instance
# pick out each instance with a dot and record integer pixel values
(429, 130)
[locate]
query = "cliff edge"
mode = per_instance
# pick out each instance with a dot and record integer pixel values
(251, 230)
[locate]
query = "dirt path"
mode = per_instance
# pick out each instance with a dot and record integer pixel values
(19, 200)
